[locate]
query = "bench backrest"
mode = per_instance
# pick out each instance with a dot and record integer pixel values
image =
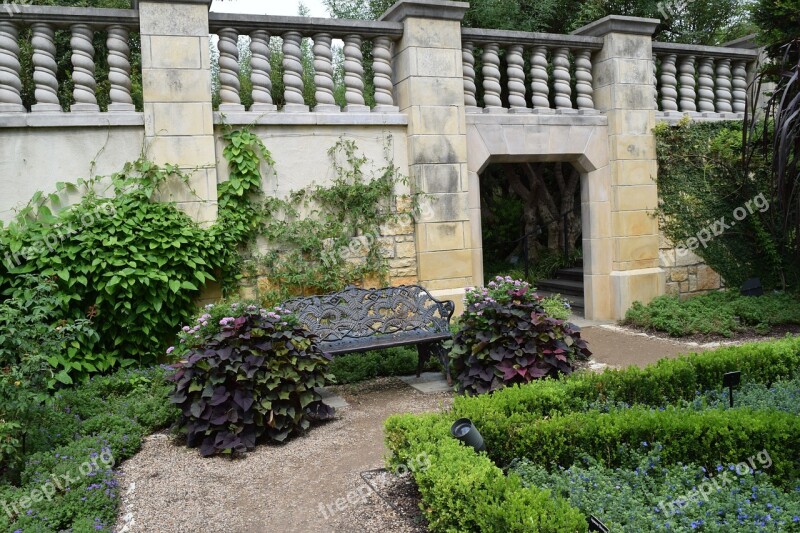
(358, 313)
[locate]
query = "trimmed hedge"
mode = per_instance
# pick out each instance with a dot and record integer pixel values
(666, 382)
(465, 491)
(551, 422)
(706, 438)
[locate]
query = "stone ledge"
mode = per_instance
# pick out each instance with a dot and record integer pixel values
(427, 9)
(277, 25)
(64, 16)
(477, 35)
(618, 24)
(533, 119)
(70, 120)
(705, 51)
(674, 117)
(311, 119)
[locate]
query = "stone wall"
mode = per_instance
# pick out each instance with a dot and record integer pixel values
(686, 273)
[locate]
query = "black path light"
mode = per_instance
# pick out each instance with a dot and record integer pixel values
(731, 380)
(464, 430)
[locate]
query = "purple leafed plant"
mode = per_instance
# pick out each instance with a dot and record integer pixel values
(253, 378)
(506, 337)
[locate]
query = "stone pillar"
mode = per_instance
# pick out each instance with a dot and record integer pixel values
(429, 84)
(623, 90)
(176, 79)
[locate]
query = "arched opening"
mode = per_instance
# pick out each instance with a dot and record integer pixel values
(531, 226)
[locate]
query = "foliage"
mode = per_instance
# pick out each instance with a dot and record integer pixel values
(131, 262)
(643, 494)
(86, 429)
(722, 313)
(464, 491)
(325, 238)
(703, 188)
(123, 261)
(775, 138)
(401, 361)
(254, 378)
(784, 395)
(778, 26)
(506, 337)
(28, 339)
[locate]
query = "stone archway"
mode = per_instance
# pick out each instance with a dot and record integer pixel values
(579, 140)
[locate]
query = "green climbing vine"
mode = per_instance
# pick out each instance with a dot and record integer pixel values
(322, 238)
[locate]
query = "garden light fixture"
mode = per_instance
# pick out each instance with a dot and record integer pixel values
(731, 380)
(465, 431)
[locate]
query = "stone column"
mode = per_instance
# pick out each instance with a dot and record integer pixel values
(623, 90)
(176, 78)
(429, 84)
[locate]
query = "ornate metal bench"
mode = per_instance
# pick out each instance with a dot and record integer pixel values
(357, 320)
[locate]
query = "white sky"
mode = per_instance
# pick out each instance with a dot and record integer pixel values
(269, 7)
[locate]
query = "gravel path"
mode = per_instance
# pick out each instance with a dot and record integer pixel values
(300, 486)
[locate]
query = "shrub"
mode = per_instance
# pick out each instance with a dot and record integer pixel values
(506, 337)
(401, 361)
(465, 491)
(722, 313)
(253, 378)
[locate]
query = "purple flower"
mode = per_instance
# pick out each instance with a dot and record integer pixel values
(170, 350)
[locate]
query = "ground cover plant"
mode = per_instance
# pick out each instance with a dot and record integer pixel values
(66, 479)
(506, 336)
(551, 424)
(719, 313)
(644, 494)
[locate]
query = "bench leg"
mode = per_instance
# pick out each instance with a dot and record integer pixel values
(423, 354)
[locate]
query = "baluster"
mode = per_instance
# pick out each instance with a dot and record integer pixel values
(323, 74)
(705, 85)
(539, 85)
(10, 82)
(516, 80)
(382, 67)
(119, 69)
(229, 85)
(561, 76)
(687, 92)
(261, 72)
(45, 68)
(293, 73)
(83, 68)
(491, 79)
(669, 93)
(723, 85)
(468, 63)
(354, 75)
(739, 84)
(583, 79)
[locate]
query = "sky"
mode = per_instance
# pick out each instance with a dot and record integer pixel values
(269, 7)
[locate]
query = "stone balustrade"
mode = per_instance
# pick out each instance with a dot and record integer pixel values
(702, 81)
(42, 23)
(565, 55)
(322, 32)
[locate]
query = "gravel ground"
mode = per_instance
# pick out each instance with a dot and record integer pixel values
(310, 484)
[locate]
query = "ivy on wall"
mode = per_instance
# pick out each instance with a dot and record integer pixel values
(703, 190)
